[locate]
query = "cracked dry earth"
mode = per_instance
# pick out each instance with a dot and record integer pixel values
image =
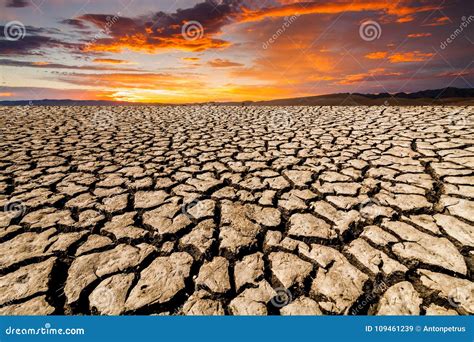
(237, 210)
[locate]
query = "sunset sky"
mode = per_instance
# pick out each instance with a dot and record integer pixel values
(231, 50)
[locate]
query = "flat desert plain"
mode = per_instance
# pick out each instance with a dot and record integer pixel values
(213, 210)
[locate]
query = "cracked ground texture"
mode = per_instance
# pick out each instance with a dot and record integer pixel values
(237, 210)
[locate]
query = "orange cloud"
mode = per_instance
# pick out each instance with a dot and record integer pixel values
(414, 56)
(289, 2)
(402, 57)
(395, 8)
(193, 29)
(318, 78)
(377, 55)
(439, 21)
(419, 35)
(191, 59)
(141, 43)
(223, 63)
(406, 19)
(110, 61)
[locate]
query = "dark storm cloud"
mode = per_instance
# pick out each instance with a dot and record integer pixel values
(164, 30)
(32, 43)
(79, 24)
(18, 3)
(33, 40)
(47, 65)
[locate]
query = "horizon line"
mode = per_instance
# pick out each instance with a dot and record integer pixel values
(387, 94)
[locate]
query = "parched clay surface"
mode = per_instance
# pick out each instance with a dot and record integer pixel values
(214, 210)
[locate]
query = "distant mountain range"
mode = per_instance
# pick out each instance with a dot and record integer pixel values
(444, 96)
